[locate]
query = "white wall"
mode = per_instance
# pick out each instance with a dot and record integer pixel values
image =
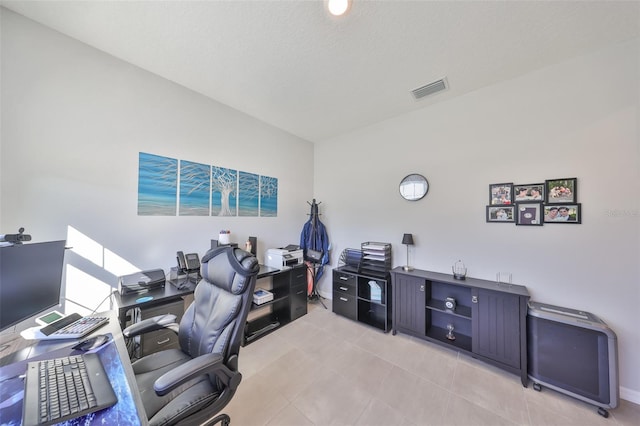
(73, 123)
(576, 119)
(75, 119)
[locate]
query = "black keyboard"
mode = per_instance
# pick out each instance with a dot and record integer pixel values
(61, 389)
(73, 326)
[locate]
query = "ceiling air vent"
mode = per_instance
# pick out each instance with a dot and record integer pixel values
(429, 89)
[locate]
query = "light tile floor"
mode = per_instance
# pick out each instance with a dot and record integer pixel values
(323, 369)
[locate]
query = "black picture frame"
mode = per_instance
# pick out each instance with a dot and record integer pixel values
(561, 191)
(529, 192)
(494, 214)
(500, 194)
(529, 213)
(573, 213)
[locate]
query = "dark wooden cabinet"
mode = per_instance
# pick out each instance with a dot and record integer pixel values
(410, 293)
(498, 327)
(362, 297)
(483, 318)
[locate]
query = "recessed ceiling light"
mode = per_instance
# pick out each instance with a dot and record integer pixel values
(338, 7)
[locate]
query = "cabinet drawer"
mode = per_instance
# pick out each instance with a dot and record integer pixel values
(176, 308)
(298, 276)
(345, 305)
(344, 283)
(298, 301)
(344, 288)
(159, 341)
(344, 277)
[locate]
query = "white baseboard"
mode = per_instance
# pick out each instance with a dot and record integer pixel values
(630, 395)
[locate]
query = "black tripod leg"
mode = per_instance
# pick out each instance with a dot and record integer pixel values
(314, 290)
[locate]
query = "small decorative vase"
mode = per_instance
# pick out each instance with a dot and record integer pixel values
(459, 270)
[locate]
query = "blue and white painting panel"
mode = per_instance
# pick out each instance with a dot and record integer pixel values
(224, 190)
(248, 194)
(157, 185)
(194, 188)
(268, 196)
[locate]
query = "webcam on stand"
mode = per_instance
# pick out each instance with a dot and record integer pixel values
(11, 239)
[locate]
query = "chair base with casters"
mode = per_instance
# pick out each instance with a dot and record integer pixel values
(191, 385)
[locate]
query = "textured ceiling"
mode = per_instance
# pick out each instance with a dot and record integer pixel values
(290, 64)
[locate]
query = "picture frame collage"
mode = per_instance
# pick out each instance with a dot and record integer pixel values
(535, 204)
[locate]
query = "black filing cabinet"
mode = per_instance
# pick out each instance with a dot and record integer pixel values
(298, 282)
(345, 301)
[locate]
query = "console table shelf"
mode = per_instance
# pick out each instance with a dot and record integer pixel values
(488, 320)
(460, 311)
(462, 342)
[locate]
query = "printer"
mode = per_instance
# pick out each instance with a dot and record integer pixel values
(284, 257)
(141, 282)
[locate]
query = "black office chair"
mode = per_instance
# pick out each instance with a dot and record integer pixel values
(192, 384)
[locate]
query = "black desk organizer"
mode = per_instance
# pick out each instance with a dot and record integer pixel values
(376, 259)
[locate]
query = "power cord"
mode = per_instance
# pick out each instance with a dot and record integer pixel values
(104, 300)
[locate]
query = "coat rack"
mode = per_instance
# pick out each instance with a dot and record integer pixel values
(314, 242)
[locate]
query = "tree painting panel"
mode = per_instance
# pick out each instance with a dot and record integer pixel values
(268, 196)
(157, 185)
(224, 185)
(248, 191)
(194, 189)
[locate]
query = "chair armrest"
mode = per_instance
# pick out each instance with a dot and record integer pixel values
(151, 324)
(204, 364)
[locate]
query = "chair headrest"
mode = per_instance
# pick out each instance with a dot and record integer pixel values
(227, 267)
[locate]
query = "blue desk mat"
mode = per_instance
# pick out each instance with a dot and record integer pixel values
(123, 412)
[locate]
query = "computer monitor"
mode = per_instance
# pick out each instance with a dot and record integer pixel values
(30, 280)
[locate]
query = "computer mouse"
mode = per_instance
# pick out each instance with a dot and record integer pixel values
(92, 342)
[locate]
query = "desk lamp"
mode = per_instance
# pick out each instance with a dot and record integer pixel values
(408, 240)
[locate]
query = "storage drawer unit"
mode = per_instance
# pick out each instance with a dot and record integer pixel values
(161, 339)
(344, 294)
(362, 297)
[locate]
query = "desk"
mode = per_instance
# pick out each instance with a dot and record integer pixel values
(161, 296)
(290, 300)
(169, 293)
(16, 349)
